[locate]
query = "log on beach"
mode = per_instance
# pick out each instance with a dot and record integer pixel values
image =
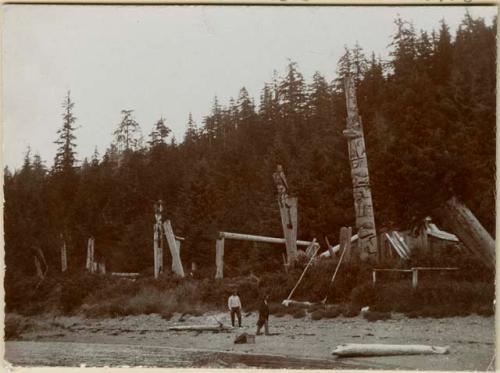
(291, 302)
(354, 349)
(200, 328)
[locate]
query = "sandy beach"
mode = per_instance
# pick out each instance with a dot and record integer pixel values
(144, 341)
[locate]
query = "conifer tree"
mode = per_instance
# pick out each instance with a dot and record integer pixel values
(65, 160)
(191, 134)
(128, 132)
(159, 134)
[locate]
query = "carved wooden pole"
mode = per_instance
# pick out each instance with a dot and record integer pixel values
(365, 220)
(158, 239)
(288, 212)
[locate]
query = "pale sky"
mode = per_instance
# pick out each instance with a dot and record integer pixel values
(170, 60)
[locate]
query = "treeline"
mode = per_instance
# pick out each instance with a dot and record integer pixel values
(428, 114)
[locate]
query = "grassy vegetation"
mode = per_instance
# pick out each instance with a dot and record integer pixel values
(430, 299)
(106, 296)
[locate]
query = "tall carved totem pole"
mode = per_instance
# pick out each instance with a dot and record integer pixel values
(288, 213)
(365, 221)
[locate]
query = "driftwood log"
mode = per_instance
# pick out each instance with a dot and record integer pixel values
(354, 349)
(291, 302)
(200, 328)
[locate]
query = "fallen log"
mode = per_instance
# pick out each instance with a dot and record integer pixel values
(291, 302)
(354, 349)
(200, 328)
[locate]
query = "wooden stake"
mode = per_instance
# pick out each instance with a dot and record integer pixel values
(345, 246)
(310, 248)
(316, 248)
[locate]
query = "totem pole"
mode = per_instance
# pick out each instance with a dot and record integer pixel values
(365, 221)
(158, 239)
(288, 212)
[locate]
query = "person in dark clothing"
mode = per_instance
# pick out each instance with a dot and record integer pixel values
(263, 320)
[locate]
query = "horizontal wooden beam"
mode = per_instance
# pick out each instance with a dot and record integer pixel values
(254, 238)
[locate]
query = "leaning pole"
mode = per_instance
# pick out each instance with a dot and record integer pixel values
(363, 207)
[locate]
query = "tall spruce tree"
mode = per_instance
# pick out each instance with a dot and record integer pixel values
(127, 135)
(65, 160)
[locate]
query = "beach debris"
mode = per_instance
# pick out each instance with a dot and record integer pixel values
(377, 349)
(291, 302)
(244, 338)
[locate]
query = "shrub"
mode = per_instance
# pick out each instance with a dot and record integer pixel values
(299, 313)
(317, 315)
(430, 299)
(166, 315)
(331, 312)
(15, 325)
(375, 316)
(276, 307)
(315, 307)
(486, 310)
(363, 295)
(351, 310)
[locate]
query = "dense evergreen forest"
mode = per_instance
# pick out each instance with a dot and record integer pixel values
(429, 121)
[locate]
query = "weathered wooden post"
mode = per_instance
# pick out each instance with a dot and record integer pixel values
(174, 249)
(64, 260)
(178, 246)
(156, 244)
(90, 255)
(101, 267)
(288, 212)
(365, 220)
(414, 278)
(219, 258)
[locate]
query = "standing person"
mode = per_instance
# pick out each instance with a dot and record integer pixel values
(263, 316)
(234, 305)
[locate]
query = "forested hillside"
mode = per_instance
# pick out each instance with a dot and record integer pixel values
(429, 119)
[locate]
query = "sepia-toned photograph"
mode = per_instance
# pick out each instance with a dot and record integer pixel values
(250, 186)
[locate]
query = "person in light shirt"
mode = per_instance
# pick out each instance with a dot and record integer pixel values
(234, 305)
